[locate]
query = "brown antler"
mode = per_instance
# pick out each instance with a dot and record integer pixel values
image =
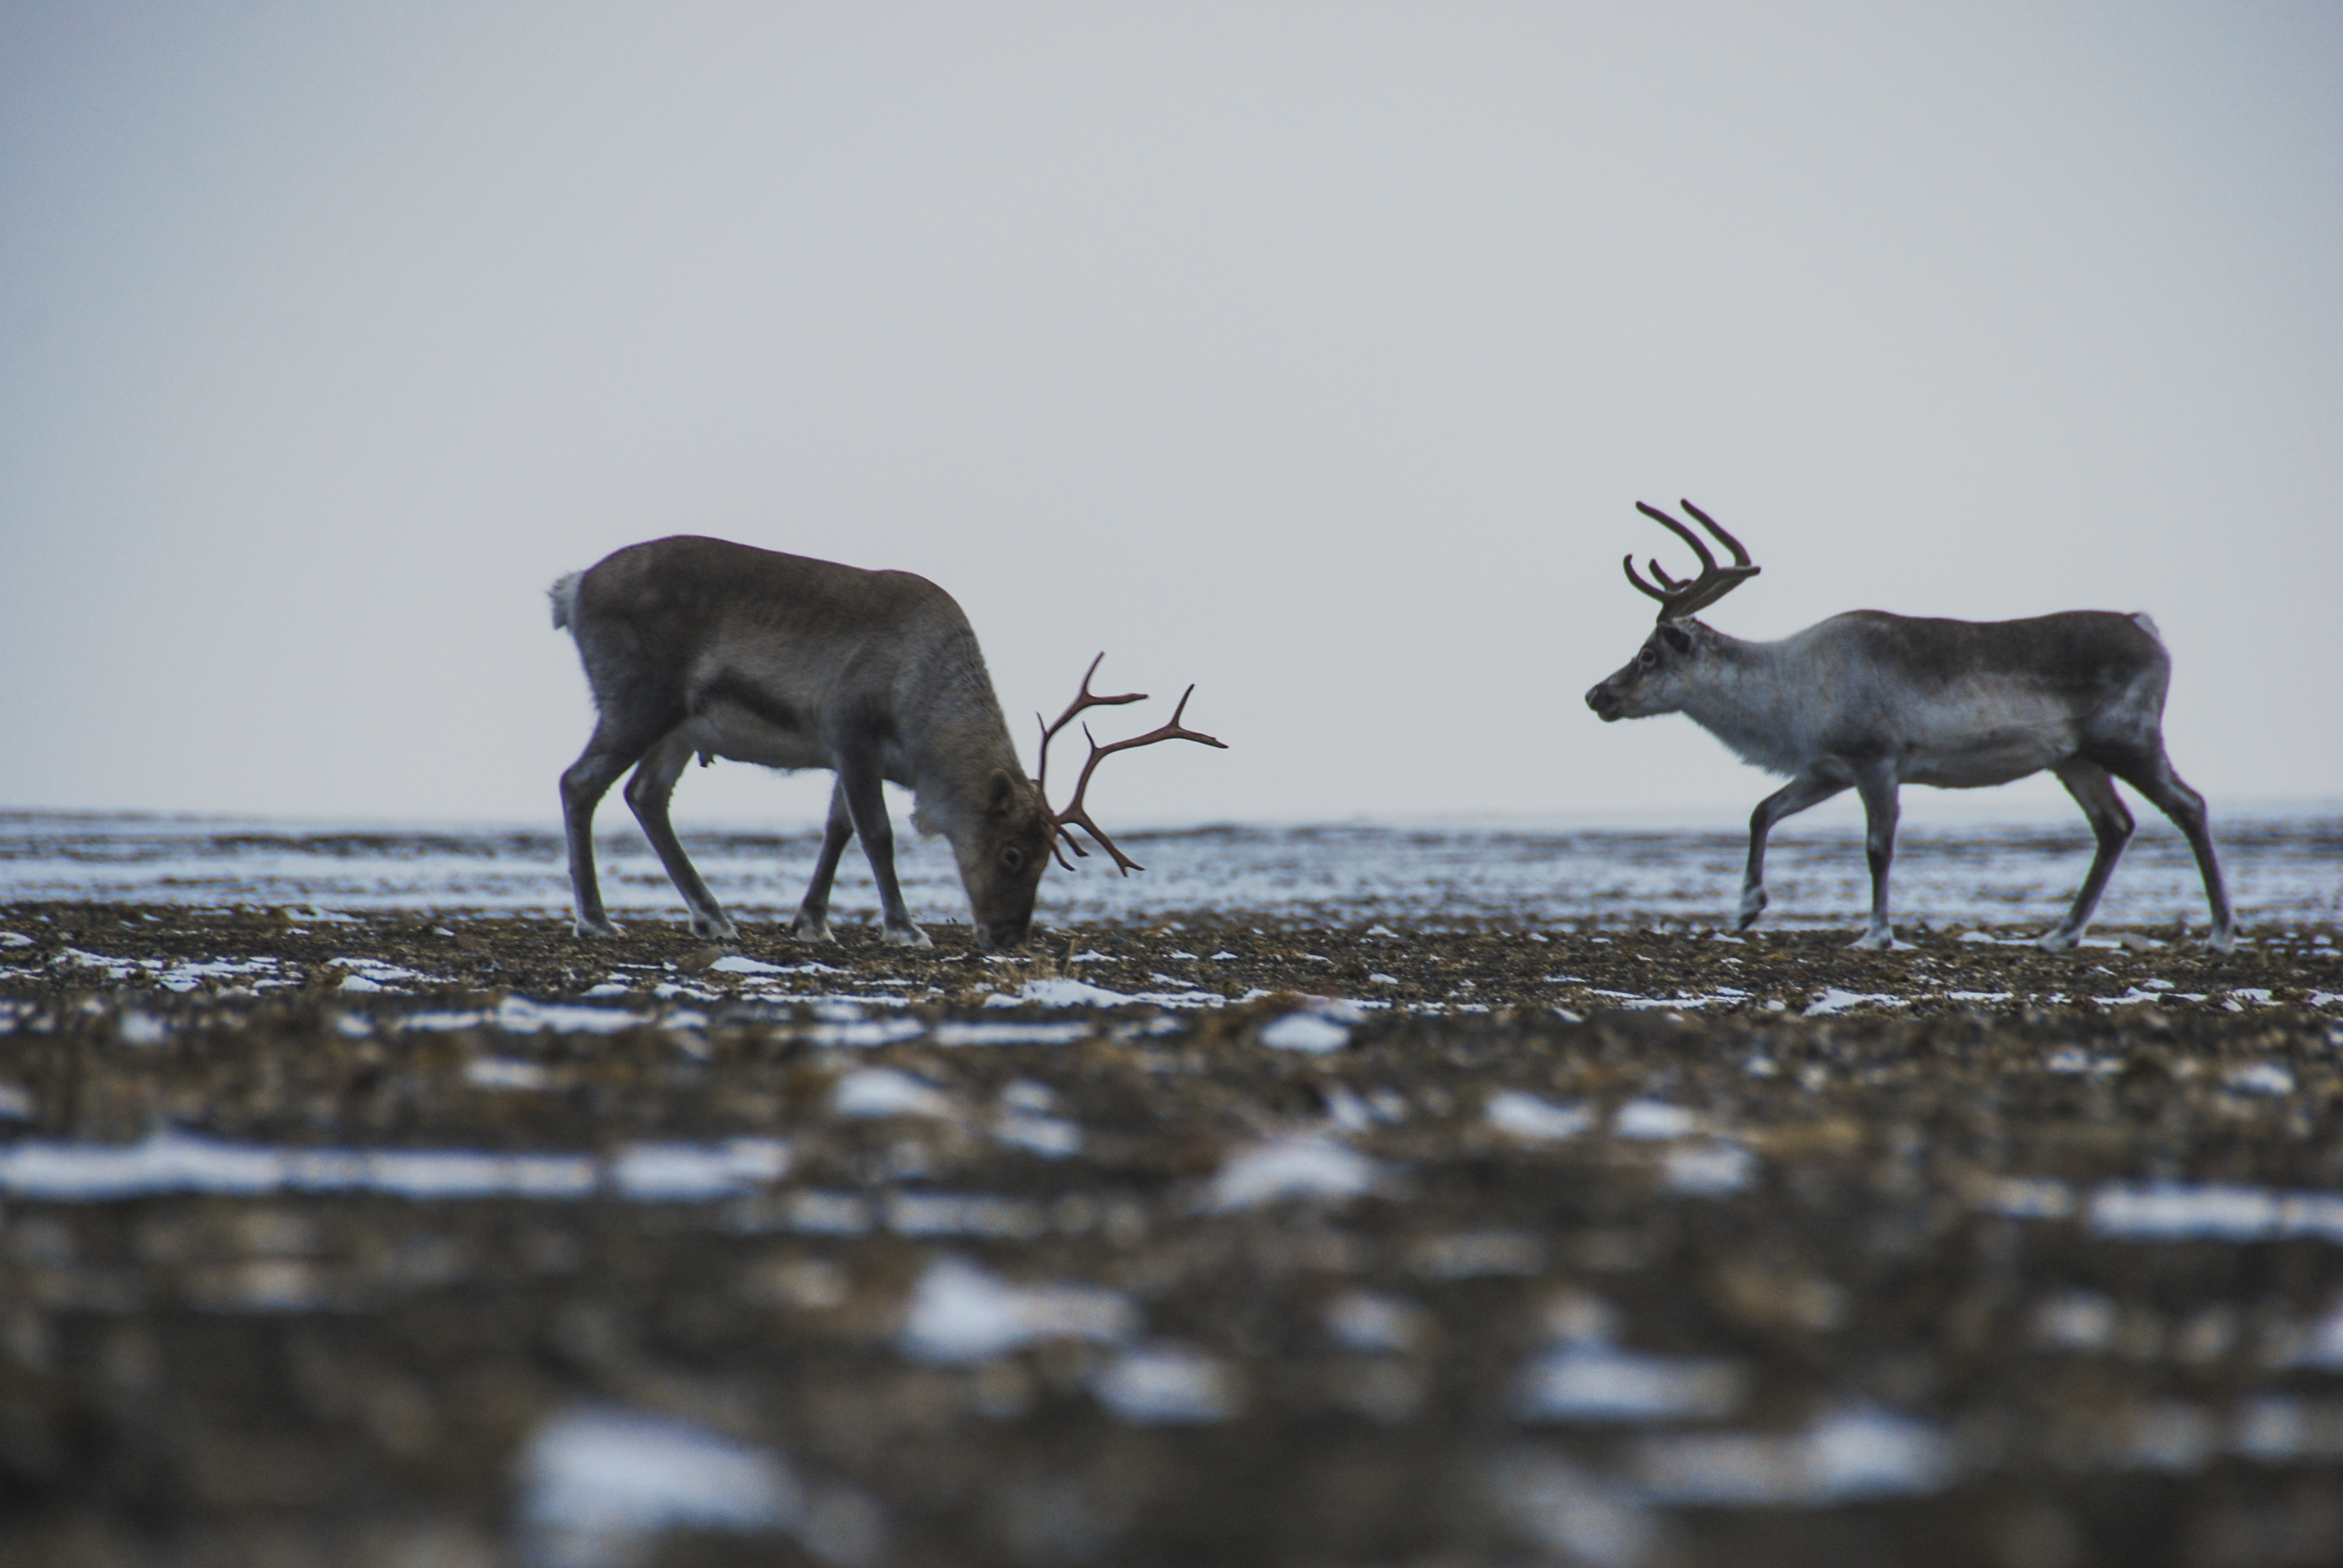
(1084, 699)
(1679, 599)
(1076, 814)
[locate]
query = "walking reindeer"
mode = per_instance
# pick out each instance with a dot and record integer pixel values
(699, 646)
(1871, 701)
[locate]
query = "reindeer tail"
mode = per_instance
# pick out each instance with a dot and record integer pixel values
(564, 595)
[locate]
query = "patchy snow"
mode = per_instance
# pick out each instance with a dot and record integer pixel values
(865, 1033)
(2260, 1078)
(1996, 873)
(597, 1485)
(1046, 1136)
(142, 1029)
(1369, 1322)
(1526, 1116)
(1590, 1382)
(1715, 1169)
(1311, 1033)
(877, 1091)
(2175, 1212)
(1061, 992)
(1847, 1456)
(1167, 1385)
(520, 1015)
(1304, 1167)
(736, 964)
(505, 1073)
(696, 1173)
(1652, 1119)
(959, 1313)
(1834, 1000)
(1011, 1033)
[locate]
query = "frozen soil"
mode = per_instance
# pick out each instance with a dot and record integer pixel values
(1618, 1246)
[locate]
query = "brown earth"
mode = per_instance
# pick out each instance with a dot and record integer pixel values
(191, 1379)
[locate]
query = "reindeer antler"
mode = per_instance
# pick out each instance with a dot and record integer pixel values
(1084, 699)
(1679, 599)
(1076, 814)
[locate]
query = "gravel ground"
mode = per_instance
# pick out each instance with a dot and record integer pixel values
(426, 1239)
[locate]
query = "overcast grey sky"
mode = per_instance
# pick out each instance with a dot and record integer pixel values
(1313, 353)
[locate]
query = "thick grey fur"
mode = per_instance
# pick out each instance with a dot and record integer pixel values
(1872, 701)
(699, 646)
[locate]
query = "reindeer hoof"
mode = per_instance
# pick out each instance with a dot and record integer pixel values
(716, 928)
(907, 936)
(2058, 942)
(811, 930)
(1875, 941)
(591, 930)
(2222, 940)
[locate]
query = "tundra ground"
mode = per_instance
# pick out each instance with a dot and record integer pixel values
(407, 1239)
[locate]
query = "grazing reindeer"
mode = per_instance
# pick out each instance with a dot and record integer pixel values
(1871, 701)
(694, 645)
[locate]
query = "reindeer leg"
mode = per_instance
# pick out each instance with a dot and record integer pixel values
(1806, 789)
(647, 794)
(812, 924)
(1876, 780)
(607, 754)
(2155, 779)
(2111, 824)
(868, 802)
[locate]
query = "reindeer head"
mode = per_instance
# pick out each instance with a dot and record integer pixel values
(1001, 865)
(1655, 680)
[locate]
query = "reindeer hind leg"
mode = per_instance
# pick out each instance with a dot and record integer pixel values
(610, 753)
(2153, 777)
(648, 793)
(812, 922)
(2111, 825)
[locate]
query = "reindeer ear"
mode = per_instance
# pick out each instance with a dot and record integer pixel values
(1000, 792)
(1677, 637)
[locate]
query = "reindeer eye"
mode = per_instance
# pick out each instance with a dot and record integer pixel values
(1012, 857)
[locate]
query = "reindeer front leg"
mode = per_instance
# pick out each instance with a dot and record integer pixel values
(1876, 780)
(859, 781)
(1806, 789)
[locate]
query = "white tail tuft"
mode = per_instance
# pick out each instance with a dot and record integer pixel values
(564, 595)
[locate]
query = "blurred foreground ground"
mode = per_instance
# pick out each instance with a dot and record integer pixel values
(405, 1238)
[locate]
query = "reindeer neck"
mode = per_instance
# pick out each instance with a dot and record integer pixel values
(952, 738)
(1752, 696)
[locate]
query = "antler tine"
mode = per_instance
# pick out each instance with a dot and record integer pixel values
(1628, 561)
(1727, 578)
(1740, 556)
(1681, 598)
(1077, 814)
(1707, 561)
(1084, 699)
